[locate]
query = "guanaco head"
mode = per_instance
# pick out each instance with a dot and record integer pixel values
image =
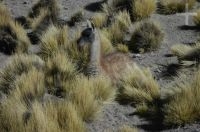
(87, 36)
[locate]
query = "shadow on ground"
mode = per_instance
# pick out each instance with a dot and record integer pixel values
(94, 7)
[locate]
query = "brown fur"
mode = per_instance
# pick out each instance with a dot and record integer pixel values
(114, 64)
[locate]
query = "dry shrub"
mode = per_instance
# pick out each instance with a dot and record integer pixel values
(147, 36)
(80, 58)
(122, 48)
(49, 117)
(99, 20)
(197, 18)
(30, 85)
(77, 17)
(186, 52)
(50, 5)
(106, 45)
(65, 115)
(123, 19)
(116, 31)
(183, 106)
(12, 115)
(54, 40)
(138, 85)
(103, 89)
(19, 64)
(88, 95)
(174, 6)
(36, 22)
(59, 70)
(13, 36)
(142, 9)
(84, 100)
(126, 128)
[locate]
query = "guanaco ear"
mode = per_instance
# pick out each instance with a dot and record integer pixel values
(90, 24)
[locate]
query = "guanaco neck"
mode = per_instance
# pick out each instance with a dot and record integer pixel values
(95, 55)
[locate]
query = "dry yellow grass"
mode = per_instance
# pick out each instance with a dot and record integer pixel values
(53, 40)
(22, 38)
(50, 117)
(52, 6)
(66, 116)
(39, 121)
(89, 95)
(36, 21)
(17, 31)
(126, 128)
(30, 86)
(5, 14)
(116, 31)
(142, 8)
(174, 6)
(197, 18)
(78, 57)
(102, 88)
(123, 19)
(59, 70)
(99, 20)
(19, 64)
(12, 113)
(147, 36)
(138, 85)
(106, 45)
(186, 52)
(83, 99)
(77, 17)
(183, 107)
(122, 48)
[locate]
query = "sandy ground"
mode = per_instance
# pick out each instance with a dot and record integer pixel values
(115, 115)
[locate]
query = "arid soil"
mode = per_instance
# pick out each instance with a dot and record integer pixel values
(116, 115)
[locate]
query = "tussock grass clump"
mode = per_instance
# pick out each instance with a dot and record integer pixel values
(138, 85)
(186, 52)
(142, 9)
(88, 95)
(13, 37)
(122, 48)
(116, 5)
(80, 58)
(19, 64)
(124, 20)
(147, 36)
(50, 5)
(36, 21)
(77, 17)
(50, 117)
(197, 18)
(39, 121)
(106, 45)
(103, 89)
(11, 115)
(174, 6)
(126, 128)
(59, 70)
(30, 86)
(42, 15)
(99, 20)
(84, 100)
(65, 115)
(53, 40)
(183, 107)
(116, 31)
